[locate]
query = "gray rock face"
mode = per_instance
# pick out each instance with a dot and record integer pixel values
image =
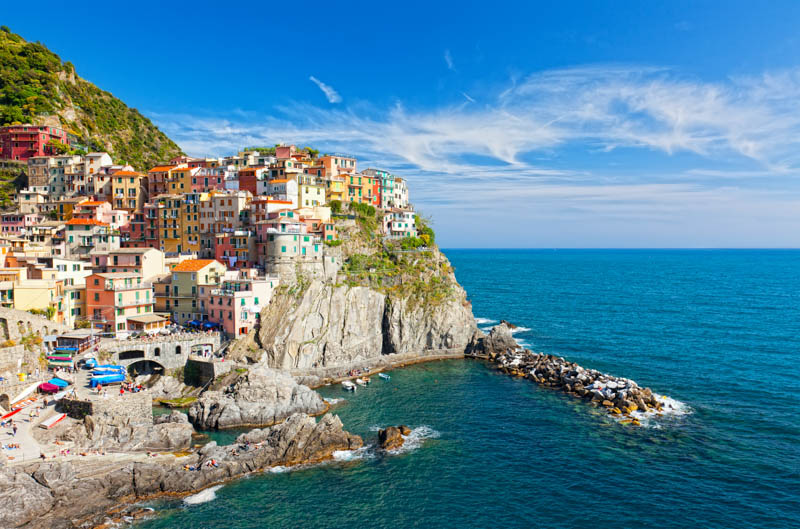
(329, 326)
(261, 397)
(22, 499)
(125, 434)
(48, 495)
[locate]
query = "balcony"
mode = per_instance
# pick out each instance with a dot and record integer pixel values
(121, 287)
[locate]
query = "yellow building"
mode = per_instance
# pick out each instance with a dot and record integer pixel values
(311, 194)
(182, 180)
(170, 222)
(40, 294)
(126, 190)
(334, 188)
(190, 220)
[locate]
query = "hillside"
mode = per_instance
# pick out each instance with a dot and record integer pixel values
(37, 87)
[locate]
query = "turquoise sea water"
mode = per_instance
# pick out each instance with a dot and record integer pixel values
(716, 330)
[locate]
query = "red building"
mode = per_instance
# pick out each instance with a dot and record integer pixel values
(20, 142)
(142, 230)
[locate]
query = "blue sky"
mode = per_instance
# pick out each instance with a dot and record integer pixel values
(581, 124)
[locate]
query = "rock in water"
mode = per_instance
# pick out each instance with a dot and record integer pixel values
(390, 438)
(261, 397)
(498, 341)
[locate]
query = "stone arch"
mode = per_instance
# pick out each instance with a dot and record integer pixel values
(4, 327)
(177, 349)
(45, 330)
(131, 355)
(145, 367)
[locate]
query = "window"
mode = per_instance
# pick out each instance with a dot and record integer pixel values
(96, 296)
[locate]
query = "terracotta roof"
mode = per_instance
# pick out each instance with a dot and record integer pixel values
(162, 168)
(281, 181)
(193, 265)
(91, 203)
(127, 173)
(85, 222)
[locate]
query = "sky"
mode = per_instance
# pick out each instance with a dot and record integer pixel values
(524, 124)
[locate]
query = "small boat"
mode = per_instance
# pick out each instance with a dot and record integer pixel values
(348, 386)
(360, 382)
(18, 407)
(366, 379)
(384, 376)
(52, 421)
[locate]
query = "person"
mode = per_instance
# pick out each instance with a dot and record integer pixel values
(121, 391)
(14, 429)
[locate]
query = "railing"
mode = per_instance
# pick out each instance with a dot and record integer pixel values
(116, 287)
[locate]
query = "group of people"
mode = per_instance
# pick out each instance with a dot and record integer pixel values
(211, 463)
(10, 424)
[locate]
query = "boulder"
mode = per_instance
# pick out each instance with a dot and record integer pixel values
(390, 438)
(261, 397)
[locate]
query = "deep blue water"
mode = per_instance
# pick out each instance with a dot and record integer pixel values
(716, 330)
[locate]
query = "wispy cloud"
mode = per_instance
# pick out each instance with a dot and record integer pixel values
(737, 140)
(332, 95)
(448, 60)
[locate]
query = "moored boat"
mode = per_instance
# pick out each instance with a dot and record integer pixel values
(384, 376)
(360, 382)
(348, 386)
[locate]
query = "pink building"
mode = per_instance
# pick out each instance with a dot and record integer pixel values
(20, 142)
(17, 223)
(236, 305)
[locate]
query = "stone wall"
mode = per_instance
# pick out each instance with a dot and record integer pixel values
(10, 357)
(130, 405)
(199, 372)
(14, 324)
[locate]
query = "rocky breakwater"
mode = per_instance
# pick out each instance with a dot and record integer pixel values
(80, 494)
(619, 396)
(260, 397)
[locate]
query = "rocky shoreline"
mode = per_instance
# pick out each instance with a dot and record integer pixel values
(68, 494)
(621, 397)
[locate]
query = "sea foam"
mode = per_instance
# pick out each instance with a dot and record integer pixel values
(484, 321)
(415, 439)
(204, 496)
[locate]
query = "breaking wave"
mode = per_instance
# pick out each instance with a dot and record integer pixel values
(484, 321)
(204, 496)
(415, 439)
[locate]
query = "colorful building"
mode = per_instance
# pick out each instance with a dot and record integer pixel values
(20, 142)
(190, 281)
(236, 305)
(112, 298)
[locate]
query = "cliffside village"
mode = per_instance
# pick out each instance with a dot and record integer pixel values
(198, 242)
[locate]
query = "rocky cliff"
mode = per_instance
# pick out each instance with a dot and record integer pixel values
(417, 307)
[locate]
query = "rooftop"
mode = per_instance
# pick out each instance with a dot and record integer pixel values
(193, 265)
(85, 222)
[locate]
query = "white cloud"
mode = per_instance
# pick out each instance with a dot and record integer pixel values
(448, 59)
(678, 145)
(332, 95)
(467, 97)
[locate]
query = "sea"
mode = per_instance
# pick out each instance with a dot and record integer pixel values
(716, 330)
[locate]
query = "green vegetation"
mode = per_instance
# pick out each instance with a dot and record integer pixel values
(8, 343)
(336, 206)
(424, 230)
(333, 243)
(180, 402)
(37, 87)
(48, 313)
(82, 324)
(10, 181)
